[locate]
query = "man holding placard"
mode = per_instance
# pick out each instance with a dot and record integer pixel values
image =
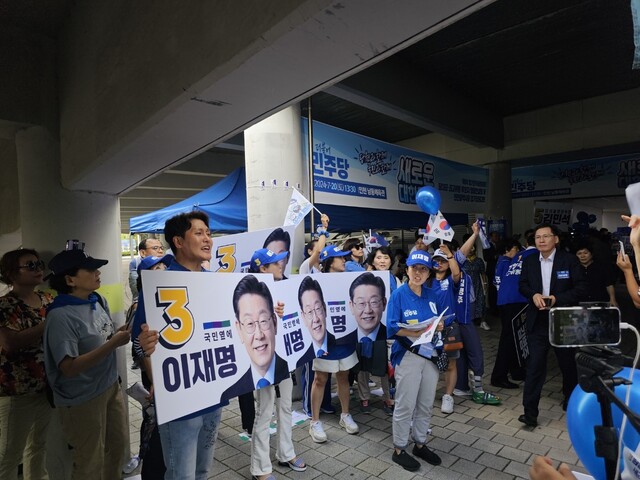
(188, 442)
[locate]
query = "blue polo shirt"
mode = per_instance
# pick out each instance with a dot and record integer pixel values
(404, 306)
(445, 293)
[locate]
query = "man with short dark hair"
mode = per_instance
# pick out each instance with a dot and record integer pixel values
(149, 247)
(256, 327)
(187, 442)
(553, 278)
(330, 358)
(367, 302)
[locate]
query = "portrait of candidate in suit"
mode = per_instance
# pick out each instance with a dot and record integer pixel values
(314, 317)
(256, 326)
(367, 302)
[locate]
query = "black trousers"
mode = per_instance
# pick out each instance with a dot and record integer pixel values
(507, 357)
(537, 365)
(153, 467)
(247, 406)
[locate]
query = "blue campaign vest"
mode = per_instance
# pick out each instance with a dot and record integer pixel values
(510, 279)
(463, 298)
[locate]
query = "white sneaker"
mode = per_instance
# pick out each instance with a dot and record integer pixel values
(346, 422)
(131, 465)
(447, 404)
(317, 432)
(461, 393)
(484, 325)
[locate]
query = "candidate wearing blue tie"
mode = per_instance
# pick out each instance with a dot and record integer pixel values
(367, 302)
(256, 326)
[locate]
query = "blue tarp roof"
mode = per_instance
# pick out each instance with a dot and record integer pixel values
(225, 203)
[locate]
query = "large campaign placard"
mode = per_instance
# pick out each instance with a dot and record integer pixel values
(354, 170)
(220, 337)
(232, 253)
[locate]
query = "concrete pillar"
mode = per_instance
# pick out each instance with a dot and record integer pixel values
(499, 194)
(10, 235)
(273, 151)
(49, 215)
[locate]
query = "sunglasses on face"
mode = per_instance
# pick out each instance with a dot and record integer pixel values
(358, 246)
(33, 265)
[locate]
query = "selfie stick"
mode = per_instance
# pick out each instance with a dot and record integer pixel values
(596, 367)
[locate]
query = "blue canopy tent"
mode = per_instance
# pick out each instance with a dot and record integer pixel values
(225, 203)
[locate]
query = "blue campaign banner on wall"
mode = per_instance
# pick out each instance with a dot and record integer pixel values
(583, 178)
(358, 171)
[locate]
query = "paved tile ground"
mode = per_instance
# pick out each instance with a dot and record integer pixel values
(476, 441)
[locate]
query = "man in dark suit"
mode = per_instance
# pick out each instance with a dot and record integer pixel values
(367, 301)
(248, 383)
(551, 279)
(257, 327)
(316, 350)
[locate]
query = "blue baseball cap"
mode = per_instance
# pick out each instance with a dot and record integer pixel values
(264, 256)
(419, 258)
(332, 251)
(147, 263)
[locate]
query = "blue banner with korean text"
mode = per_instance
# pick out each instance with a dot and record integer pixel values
(358, 171)
(595, 177)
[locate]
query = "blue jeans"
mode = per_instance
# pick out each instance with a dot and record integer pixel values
(188, 445)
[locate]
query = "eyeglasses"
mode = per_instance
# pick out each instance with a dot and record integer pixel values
(317, 312)
(373, 303)
(546, 236)
(265, 325)
(156, 248)
(33, 265)
(358, 246)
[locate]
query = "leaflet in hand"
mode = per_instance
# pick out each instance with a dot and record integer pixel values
(427, 336)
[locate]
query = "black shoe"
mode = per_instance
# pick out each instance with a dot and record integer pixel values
(427, 455)
(527, 420)
(520, 377)
(405, 460)
(504, 384)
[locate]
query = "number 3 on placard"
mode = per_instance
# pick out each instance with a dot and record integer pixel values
(226, 258)
(180, 324)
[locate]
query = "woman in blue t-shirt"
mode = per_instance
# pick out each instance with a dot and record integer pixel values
(416, 375)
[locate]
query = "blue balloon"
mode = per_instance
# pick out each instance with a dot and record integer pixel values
(428, 199)
(583, 413)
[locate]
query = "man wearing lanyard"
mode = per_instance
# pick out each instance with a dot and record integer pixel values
(551, 279)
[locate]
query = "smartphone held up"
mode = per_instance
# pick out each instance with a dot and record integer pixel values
(584, 326)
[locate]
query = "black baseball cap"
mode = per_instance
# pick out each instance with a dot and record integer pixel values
(68, 260)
